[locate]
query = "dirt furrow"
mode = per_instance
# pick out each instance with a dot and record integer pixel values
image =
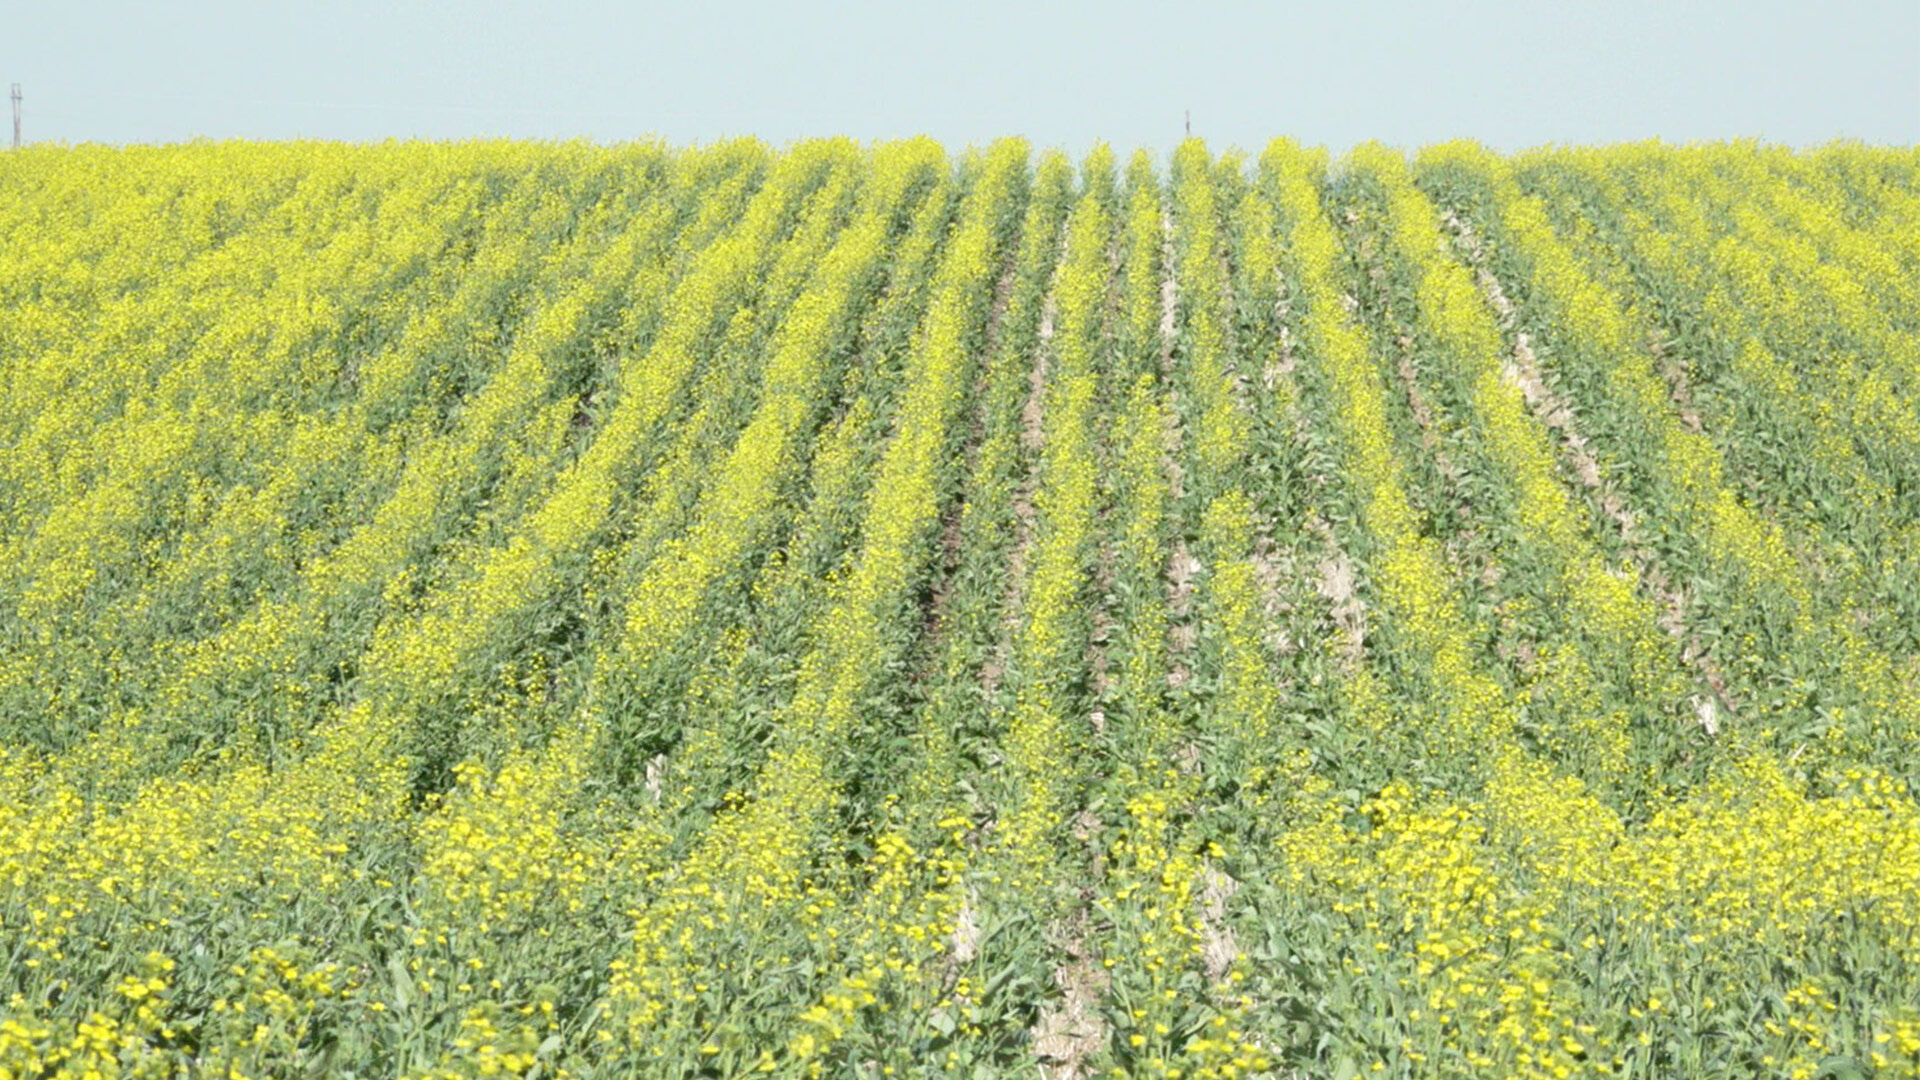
(1182, 566)
(1032, 439)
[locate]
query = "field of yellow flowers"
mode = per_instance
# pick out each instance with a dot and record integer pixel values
(555, 610)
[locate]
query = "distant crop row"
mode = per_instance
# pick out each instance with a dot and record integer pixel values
(544, 610)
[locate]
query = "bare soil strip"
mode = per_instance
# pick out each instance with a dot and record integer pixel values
(1071, 1030)
(1181, 564)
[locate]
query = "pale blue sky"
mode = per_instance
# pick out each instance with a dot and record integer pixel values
(1512, 74)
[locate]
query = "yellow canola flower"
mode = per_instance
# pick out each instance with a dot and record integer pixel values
(752, 857)
(1769, 585)
(504, 856)
(1049, 643)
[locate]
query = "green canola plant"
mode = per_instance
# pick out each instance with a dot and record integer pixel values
(841, 610)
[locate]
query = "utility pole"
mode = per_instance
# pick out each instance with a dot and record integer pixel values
(16, 109)
(16, 116)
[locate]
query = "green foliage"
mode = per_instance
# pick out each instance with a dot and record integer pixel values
(500, 609)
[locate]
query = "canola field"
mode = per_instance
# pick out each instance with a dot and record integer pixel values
(552, 610)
